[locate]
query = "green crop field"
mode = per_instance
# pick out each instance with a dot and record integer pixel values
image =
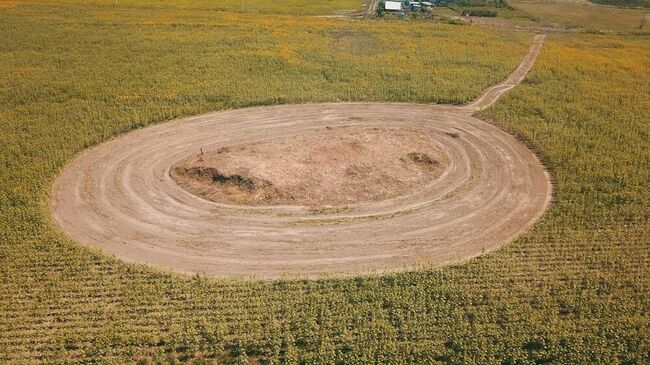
(624, 3)
(573, 290)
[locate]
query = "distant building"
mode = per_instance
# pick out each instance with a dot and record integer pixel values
(393, 5)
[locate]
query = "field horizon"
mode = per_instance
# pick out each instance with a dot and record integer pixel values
(572, 289)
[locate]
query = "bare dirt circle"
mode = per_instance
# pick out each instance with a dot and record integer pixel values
(120, 196)
(328, 167)
(308, 189)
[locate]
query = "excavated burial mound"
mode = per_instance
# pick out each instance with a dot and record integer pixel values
(329, 167)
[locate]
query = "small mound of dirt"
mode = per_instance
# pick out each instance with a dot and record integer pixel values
(332, 166)
(217, 177)
(422, 159)
(212, 184)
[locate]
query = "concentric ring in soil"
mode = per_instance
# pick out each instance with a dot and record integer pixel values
(347, 188)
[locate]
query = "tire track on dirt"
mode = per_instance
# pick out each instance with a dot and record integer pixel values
(119, 196)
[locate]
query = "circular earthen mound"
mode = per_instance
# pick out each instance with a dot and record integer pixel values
(327, 167)
(304, 189)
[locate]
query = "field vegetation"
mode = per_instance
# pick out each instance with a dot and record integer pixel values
(624, 3)
(588, 16)
(573, 290)
(477, 3)
(492, 11)
(484, 8)
(295, 7)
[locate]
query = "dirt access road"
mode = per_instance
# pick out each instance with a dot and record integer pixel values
(119, 196)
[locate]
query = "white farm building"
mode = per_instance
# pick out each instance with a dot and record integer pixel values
(393, 5)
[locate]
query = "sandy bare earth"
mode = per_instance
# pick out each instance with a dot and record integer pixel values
(332, 166)
(307, 189)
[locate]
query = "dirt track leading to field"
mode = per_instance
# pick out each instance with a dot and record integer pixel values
(119, 196)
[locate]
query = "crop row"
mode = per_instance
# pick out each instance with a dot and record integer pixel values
(572, 290)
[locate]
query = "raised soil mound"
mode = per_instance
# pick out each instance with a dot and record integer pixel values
(329, 167)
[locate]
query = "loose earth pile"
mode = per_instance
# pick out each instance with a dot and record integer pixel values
(330, 167)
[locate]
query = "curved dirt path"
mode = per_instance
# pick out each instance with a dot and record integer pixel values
(493, 93)
(119, 195)
(371, 9)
